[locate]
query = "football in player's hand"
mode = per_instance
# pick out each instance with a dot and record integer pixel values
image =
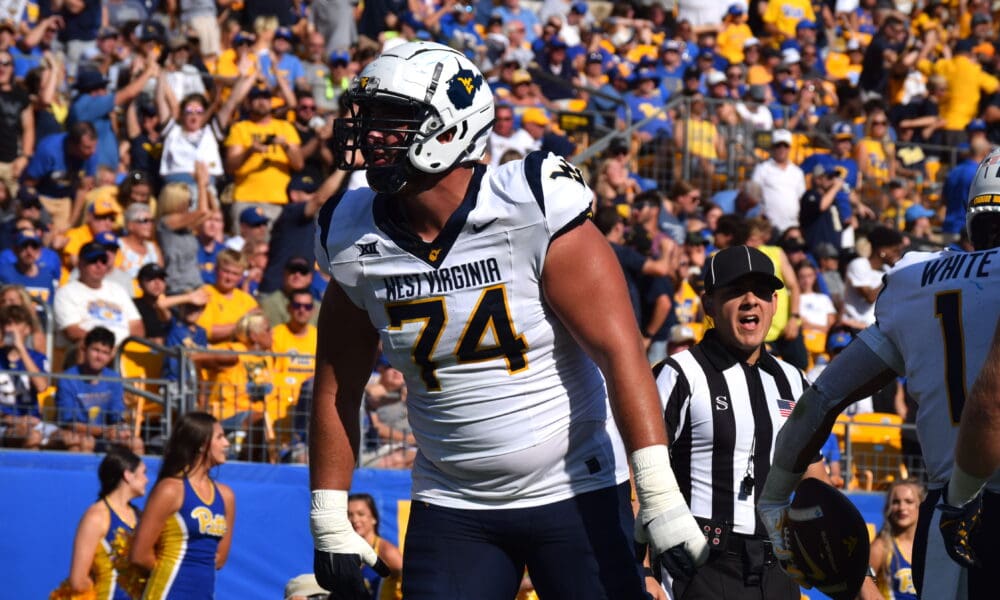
(828, 539)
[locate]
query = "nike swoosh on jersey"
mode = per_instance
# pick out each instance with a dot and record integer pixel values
(479, 228)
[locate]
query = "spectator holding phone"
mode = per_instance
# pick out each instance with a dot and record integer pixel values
(261, 154)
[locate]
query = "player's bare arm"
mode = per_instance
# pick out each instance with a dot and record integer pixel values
(581, 272)
(977, 452)
(580, 264)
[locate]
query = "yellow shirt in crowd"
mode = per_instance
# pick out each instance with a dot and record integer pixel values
(786, 14)
(224, 310)
(263, 177)
(966, 80)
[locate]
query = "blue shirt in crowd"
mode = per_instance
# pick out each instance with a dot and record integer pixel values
(57, 172)
(97, 110)
(92, 402)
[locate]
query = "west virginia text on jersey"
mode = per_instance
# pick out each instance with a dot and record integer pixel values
(463, 311)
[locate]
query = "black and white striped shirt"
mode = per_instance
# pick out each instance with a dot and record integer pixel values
(722, 417)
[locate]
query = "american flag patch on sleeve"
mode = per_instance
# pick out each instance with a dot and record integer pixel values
(785, 407)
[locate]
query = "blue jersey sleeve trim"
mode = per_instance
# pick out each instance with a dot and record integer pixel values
(533, 174)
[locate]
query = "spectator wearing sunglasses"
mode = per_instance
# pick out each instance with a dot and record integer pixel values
(101, 218)
(298, 275)
(91, 301)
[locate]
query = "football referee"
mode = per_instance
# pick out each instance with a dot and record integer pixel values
(724, 401)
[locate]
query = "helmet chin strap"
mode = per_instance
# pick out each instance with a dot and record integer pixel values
(389, 179)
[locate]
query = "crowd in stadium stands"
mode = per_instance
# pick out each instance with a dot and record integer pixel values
(834, 136)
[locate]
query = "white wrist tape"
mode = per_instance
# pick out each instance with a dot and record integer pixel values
(963, 487)
(655, 484)
(332, 530)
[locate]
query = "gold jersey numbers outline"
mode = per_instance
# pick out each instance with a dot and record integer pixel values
(492, 313)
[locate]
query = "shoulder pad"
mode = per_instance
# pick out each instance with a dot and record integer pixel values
(559, 189)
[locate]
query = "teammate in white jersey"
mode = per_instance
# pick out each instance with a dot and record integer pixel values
(930, 316)
(507, 312)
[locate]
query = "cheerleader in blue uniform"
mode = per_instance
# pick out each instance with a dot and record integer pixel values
(892, 549)
(363, 514)
(105, 530)
(187, 528)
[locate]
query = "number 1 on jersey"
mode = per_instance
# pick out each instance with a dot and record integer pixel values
(948, 310)
(491, 314)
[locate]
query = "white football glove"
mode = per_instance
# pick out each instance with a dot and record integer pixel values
(664, 520)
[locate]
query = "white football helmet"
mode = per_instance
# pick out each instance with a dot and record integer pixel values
(400, 105)
(982, 214)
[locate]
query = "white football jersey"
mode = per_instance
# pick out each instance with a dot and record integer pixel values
(934, 323)
(506, 408)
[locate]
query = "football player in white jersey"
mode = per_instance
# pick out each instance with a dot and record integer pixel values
(507, 312)
(929, 327)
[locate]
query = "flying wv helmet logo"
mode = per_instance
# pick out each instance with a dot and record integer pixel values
(462, 88)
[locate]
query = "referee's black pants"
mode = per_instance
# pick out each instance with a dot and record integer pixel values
(727, 575)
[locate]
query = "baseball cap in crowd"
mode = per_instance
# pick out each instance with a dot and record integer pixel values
(680, 334)
(152, 271)
(853, 45)
(735, 10)
(838, 341)
(27, 236)
(297, 264)
(107, 239)
(243, 37)
(556, 44)
(976, 125)
(728, 265)
(106, 32)
(88, 80)
(757, 93)
(178, 42)
(793, 245)
(284, 33)
(789, 86)
(781, 136)
(595, 57)
(706, 54)
(579, 8)
(843, 131)
(671, 46)
(805, 24)
(916, 212)
(965, 45)
(340, 57)
(826, 250)
(790, 56)
(150, 32)
(253, 216)
(715, 77)
(825, 170)
(618, 145)
(535, 115)
(980, 19)
(692, 72)
(103, 206)
(750, 42)
(645, 74)
(303, 183)
(521, 76)
(304, 585)
(695, 238)
(27, 197)
(92, 251)
(259, 91)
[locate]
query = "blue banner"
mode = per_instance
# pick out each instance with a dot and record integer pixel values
(45, 494)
